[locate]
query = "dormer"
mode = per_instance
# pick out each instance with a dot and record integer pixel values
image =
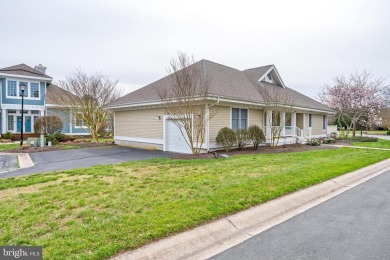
(268, 74)
(272, 76)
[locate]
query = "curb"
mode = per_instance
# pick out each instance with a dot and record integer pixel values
(213, 238)
(25, 160)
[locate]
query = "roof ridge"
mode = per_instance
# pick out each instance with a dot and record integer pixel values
(270, 65)
(216, 63)
(24, 68)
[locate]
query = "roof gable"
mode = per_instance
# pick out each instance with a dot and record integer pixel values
(23, 70)
(262, 74)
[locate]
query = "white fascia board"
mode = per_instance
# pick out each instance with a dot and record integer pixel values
(273, 68)
(221, 99)
(25, 77)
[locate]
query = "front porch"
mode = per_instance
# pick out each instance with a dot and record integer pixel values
(286, 127)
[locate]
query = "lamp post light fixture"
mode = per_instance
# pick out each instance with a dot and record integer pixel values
(22, 87)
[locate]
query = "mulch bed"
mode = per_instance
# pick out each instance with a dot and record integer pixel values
(55, 147)
(262, 149)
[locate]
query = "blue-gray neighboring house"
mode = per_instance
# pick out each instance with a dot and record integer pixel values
(38, 100)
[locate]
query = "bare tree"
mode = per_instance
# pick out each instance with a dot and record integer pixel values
(186, 100)
(357, 99)
(84, 96)
(278, 101)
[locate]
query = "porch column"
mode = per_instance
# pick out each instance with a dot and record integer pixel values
(283, 123)
(4, 121)
(303, 121)
(268, 125)
(294, 122)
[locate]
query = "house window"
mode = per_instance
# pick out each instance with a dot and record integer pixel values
(11, 88)
(11, 126)
(25, 93)
(239, 119)
(79, 122)
(324, 122)
(35, 112)
(34, 90)
(11, 111)
(309, 120)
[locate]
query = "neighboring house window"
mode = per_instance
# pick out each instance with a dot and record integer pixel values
(11, 88)
(11, 123)
(34, 90)
(25, 93)
(324, 122)
(79, 122)
(239, 119)
(309, 120)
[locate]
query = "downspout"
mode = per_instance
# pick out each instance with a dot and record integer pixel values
(208, 124)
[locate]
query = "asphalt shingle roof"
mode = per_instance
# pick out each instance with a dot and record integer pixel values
(52, 93)
(225, 82)
(24, 70)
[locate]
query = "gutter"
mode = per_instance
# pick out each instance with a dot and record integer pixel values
(208, 124)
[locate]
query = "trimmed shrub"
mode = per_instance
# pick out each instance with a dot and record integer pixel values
(59, 138)
(48, 125)
(388, 132)
(328, 140)
(315, 142)
(256, 135)
(243, 138)
(226, 138)
(7, 135)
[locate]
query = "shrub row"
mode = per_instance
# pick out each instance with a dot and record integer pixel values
(227, 138)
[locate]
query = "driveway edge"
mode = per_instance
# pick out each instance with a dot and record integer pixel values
(25, 160)
(213, 238)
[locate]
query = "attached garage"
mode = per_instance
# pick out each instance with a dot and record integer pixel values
(174, 140)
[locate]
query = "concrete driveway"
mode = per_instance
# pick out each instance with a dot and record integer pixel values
(86, 157)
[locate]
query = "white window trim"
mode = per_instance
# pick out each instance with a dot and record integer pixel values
(28, 89)
(239, 117)
(324, 122)
(79, 126)
(39, 90)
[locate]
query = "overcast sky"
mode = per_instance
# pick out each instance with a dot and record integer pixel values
(132, 41)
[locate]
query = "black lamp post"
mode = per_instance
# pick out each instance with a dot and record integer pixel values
(22, 87)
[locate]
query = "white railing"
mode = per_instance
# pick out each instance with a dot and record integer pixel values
(307, 132)
(292, 131)
(299, 133)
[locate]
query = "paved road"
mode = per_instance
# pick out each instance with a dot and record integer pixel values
(86, 157)
(8, 163)
(353, 225)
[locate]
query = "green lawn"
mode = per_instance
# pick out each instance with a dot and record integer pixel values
(374, 132)
(69, 146)
(382, 143)
(5, 147)
(97, 212)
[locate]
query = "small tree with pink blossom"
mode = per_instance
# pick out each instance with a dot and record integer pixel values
(356, 99)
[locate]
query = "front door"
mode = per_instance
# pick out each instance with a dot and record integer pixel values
(27, 127)
(27, 124)
(18, 124)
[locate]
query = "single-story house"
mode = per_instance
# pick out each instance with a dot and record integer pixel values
(39, 100)
(237, 102)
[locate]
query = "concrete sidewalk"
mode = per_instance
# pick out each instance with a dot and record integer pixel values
(210, 239)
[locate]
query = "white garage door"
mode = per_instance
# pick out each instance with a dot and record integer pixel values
(174, 140)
